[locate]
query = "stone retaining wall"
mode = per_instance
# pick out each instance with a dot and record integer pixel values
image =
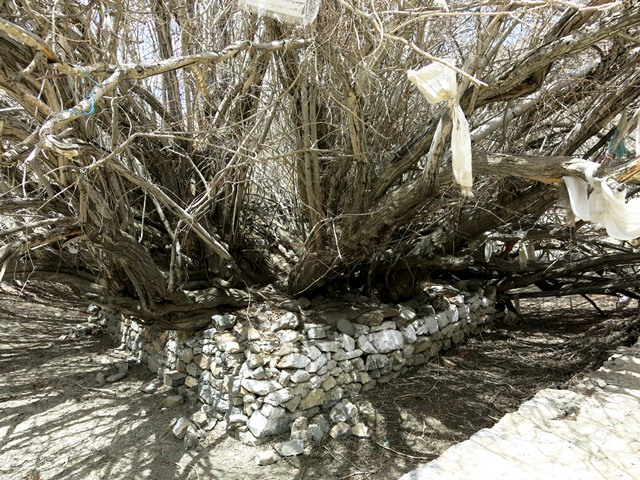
(261, 373)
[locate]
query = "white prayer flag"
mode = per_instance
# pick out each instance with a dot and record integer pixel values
(437, 82)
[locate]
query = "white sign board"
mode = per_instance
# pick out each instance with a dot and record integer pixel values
(291, 11)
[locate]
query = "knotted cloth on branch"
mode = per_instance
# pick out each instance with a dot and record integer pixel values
(437, 82)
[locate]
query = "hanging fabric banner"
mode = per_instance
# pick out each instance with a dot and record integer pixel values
(604, 206)
(437, 82)
(297, 12)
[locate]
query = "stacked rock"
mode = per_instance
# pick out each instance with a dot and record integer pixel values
(262, 373)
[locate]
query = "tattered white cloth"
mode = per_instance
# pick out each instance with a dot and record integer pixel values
(604, 206)
(437, 82)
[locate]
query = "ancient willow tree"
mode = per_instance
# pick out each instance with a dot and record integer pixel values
(168, 157)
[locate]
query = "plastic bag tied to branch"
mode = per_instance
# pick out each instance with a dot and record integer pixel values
(604, 206)
(437, 82)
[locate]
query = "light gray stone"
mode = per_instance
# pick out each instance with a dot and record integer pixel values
(289, 336)
(348, 343)
(255, 360)
(315, 332)
(199, 418)
(294, 360)
(267, 458)
(288, 321)
(312, 352)
(443, 319)
(300, 376)
(377, 361)
(261, 426)
(224, 322)
(327, 345)
(290, 448)
(409, 334)
(365, 345)
(386, 341)
(340, 431)
(180, 427)
(317, 364)
(279, 397)
(260, 387)
(432, 325)
(344, 411)
(360, 430)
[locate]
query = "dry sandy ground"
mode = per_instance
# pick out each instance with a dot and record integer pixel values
(56, 423)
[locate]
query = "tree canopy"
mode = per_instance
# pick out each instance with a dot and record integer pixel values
(172, 157)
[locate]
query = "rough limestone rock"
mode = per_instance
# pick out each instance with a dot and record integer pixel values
(288, 321)
(260, 387)
(387, 340)
(261, 426)
(224, 322)
(340, 431)
(344, 411)
(295, 360)
(267, 458)
(360, 430)
(199, 418)
(181, 426)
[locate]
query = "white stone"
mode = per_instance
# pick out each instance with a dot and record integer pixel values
(409, 334)
(278, 397)
(327, 345)
(432, 325)
(360, 430)
(344, 411)
(181, 426)
(316, 364)
(387, 341)
(340, 431)
(267, 458)
(348, 343)
(261, 426)
(300, 376)
(260, 387)
(288, 321)
(365, 345)
(295, 360)
(312, 352)
(315, 332)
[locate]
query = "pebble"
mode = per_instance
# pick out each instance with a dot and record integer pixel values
(340, 431)
(149, 388)
(267, 458)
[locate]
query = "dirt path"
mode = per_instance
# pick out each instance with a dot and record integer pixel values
(57, 423)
